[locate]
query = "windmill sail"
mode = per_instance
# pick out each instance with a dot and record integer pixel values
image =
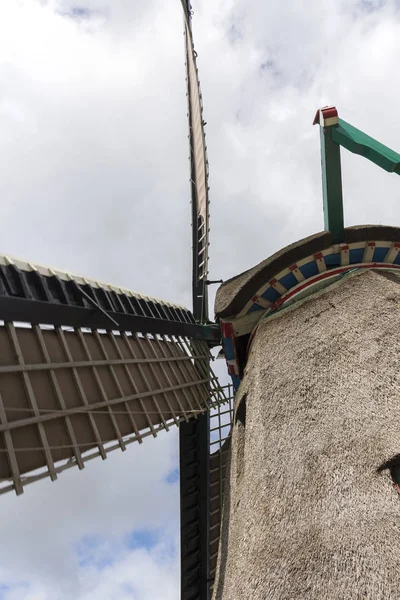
(201, 474)
(198, 174)
(86, 368)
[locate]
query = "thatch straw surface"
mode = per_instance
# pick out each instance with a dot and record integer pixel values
(307, 515)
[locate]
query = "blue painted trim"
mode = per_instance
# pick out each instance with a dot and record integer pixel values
(356, 255)
(236, 382)
(270, 294)
(309, 270)
(255, 307)
(379, 254)
(229, 349)
(288, 281)
(332, 260)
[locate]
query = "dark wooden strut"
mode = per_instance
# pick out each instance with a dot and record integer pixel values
(34, 298)
(14, 309)
(194, 457)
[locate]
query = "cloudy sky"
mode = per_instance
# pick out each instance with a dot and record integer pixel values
(94, 179)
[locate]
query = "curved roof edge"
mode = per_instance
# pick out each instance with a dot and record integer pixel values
(234, 293)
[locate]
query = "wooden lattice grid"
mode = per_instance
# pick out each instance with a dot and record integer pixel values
(70, 395)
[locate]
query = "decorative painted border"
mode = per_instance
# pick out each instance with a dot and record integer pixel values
(229, 346)
(309, 285)
(292, 281)
(340, 254)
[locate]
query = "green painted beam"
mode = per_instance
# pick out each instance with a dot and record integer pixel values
(332, 185)
(358, 142)
(335, 133)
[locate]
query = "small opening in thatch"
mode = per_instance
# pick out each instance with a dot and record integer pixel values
(240, 426)
(393, 466)
(241, 411)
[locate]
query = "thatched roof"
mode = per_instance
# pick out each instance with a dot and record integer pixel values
(307, 515)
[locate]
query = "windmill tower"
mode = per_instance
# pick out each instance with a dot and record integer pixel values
(86, 368)
(311, 503)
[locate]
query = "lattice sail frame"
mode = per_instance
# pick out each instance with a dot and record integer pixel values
(69, 394)
(221, 419)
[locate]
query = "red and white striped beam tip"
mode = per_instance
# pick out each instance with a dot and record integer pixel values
(326, 116)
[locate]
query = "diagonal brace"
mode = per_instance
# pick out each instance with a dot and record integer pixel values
(358, 142)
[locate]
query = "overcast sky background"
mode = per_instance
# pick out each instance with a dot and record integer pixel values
(94, 179)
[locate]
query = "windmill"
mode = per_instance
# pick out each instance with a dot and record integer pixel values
(87, 367)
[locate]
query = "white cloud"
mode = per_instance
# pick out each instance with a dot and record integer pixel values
(264, 153)
(94, 179)
(89, 152)
(49, 530)
(140, 574)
